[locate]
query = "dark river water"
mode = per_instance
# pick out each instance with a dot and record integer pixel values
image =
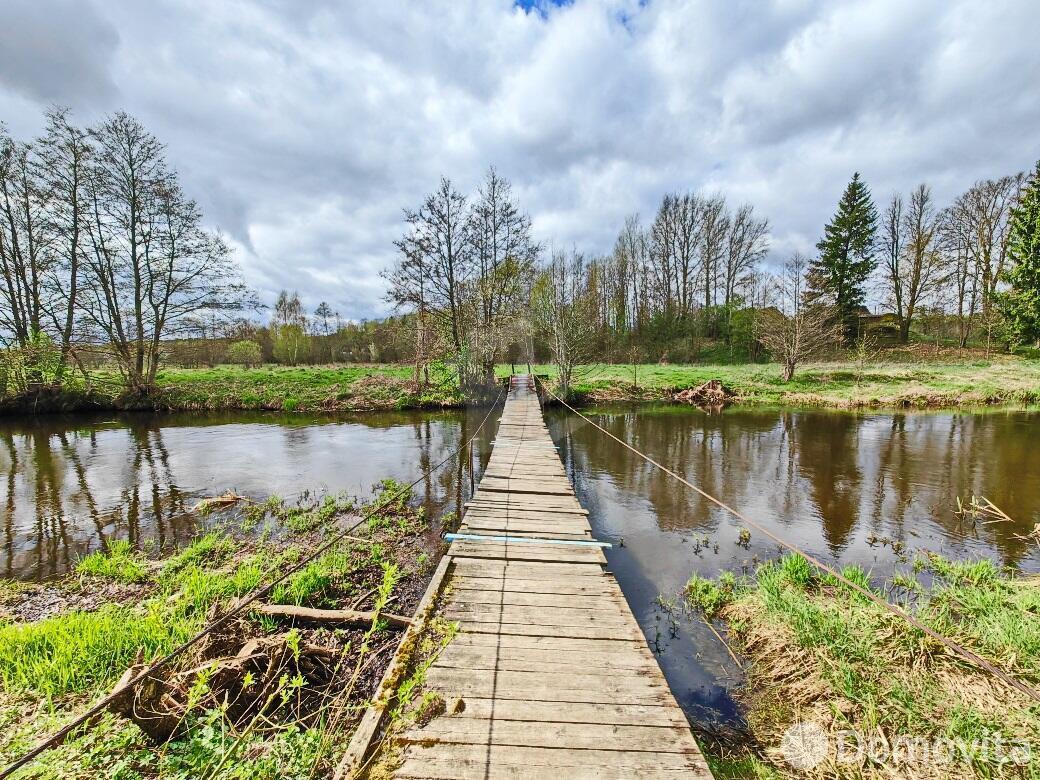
(838, 484)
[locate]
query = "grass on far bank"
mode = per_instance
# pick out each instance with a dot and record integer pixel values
(914, 376)
(845, 384)
(820, 653)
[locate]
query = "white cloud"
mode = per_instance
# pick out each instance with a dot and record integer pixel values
(304, 129)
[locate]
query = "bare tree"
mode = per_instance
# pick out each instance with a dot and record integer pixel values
(985, 210)
(437, 255)
(891, 240)
(407, 288)
(65, 155)
(923, 269)
(564, 312)
(799, 331)
(504, 256)
(954, 244)
(23, 259)
(150, 267)
(747, 243)
(714, 230)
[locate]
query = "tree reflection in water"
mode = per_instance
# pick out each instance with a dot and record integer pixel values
(72, 483)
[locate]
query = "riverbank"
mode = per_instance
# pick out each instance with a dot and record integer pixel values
(333, 388)
(909, 378)
(270, 695)
(889, 383)
(838, 687)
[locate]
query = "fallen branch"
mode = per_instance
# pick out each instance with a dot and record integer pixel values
(348, 616)
(711, 394)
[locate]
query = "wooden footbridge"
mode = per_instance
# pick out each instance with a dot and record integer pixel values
(549, 675)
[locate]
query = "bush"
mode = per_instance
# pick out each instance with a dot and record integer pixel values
(245, 352)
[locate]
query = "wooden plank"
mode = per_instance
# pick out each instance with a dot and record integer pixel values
(536, 712)
(521, 551)
(604, 600)
(428, 769)
(526, 569)
(580, 736)
(560, 758)
(573, 632)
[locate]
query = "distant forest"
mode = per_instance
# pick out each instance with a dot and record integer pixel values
(105, 261)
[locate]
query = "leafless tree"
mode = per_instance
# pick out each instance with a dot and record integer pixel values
(798, 331)
(985, 210)
(564, 314)
(504, 257)
(438, 254)
(891, 241)
(713, 233)
(914, 266)
(64, 159)
(23, 256)
(150, 266)
(747, 243)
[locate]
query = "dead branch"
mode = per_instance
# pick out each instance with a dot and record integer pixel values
(347, 616)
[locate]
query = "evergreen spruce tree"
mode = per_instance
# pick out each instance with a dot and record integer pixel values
(837, 277)
(1021, 304)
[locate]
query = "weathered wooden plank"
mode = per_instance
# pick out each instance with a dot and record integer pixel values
(577, 586)
(633, 761)
(537, 712)
(532, 570)
(521, 551)
(580, 736)
(604, 600)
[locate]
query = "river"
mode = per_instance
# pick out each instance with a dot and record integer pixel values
(841, 485)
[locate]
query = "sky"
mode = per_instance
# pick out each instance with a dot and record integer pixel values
(304, 128)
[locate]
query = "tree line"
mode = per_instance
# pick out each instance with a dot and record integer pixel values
(101, 247)
(105, 260)
(694, 273)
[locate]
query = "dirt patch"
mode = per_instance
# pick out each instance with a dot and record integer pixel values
(28, 603)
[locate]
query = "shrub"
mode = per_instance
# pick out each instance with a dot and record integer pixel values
(245, 352)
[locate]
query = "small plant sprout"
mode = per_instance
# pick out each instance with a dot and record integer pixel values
(744, 538)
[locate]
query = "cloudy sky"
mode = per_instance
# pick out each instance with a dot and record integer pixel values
(303, 128)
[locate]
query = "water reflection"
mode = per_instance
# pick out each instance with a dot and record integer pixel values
(72, 483)
(832, 482)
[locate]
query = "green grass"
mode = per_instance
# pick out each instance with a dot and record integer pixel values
(886, 383)
(119, 561)
(81, 651)
(296, 389)
(911, 376)
(821, 651)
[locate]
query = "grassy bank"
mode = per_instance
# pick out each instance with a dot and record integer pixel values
(877, 697)
(909, 378)
(266, 696)
(336, 388)
(888, 383)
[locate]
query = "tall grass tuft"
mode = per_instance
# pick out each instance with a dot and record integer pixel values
(119, 561)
